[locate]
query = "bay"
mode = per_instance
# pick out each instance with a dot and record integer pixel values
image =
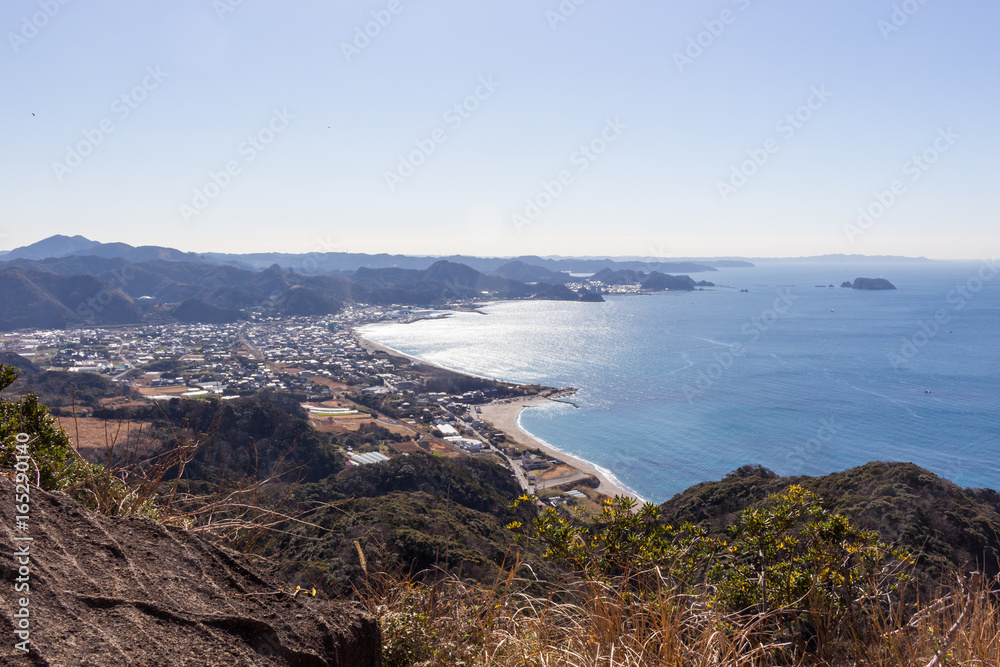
(680, 388)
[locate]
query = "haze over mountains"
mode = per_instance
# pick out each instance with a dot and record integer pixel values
(63, 281)
(328, 262)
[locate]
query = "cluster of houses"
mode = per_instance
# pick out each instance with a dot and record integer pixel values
(295, 354)
(204, 353)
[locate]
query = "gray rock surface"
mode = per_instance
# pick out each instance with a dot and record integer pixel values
(107, 591)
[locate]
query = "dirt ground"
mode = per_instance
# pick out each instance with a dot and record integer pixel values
(339, 424)
(444, 448)
(92, 436)
(174, 390)
(344, 423)
(554, 473)
(319, 379)
(121, 402)
(407, 447)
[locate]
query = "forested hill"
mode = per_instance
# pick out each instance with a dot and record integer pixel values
(943, 524)
(88, 290)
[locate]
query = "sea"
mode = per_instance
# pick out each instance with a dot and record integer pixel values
(777, 365)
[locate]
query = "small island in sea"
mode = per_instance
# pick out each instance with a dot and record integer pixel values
(869, 284)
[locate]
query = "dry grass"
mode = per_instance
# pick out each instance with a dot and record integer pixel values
(644, 620)
(240, 511)
(591, 624)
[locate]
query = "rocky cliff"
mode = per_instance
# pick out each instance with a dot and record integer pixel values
(101, 591)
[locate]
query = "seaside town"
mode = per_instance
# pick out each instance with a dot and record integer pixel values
(340, 380)
(500, 334)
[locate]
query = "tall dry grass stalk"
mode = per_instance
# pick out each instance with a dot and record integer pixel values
(135, 479)
(593, 624)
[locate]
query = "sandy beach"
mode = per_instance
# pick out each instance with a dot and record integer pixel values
(372, 346)
(503, 415)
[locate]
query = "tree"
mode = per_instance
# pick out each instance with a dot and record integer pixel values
(27, 428)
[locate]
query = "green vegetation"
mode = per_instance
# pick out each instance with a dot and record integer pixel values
(245, 437)
(420, 515)
(27, 430)
(440, 380)
(943, 526)
(802, 567)
(55, 464)
(792, 550)
(62, 390)
(865, 567)
(791, 584)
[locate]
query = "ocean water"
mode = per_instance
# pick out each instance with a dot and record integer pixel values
(680, 388)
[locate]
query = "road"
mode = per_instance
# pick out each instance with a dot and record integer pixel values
(518, 473)
(254, 350)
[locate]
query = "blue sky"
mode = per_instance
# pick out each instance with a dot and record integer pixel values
(729, 127)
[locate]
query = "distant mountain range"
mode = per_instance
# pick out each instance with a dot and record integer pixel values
(80, 288)
(71, 281)
(341, 262)
(333, 262)
(48, 300)
(839, 258)
(65, 246)
(653, 281)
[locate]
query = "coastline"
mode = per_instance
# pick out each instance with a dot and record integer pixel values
(505, 416)
(371, 346)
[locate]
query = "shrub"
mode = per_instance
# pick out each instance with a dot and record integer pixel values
(788, 569)
(56, 465)
(623, 539)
